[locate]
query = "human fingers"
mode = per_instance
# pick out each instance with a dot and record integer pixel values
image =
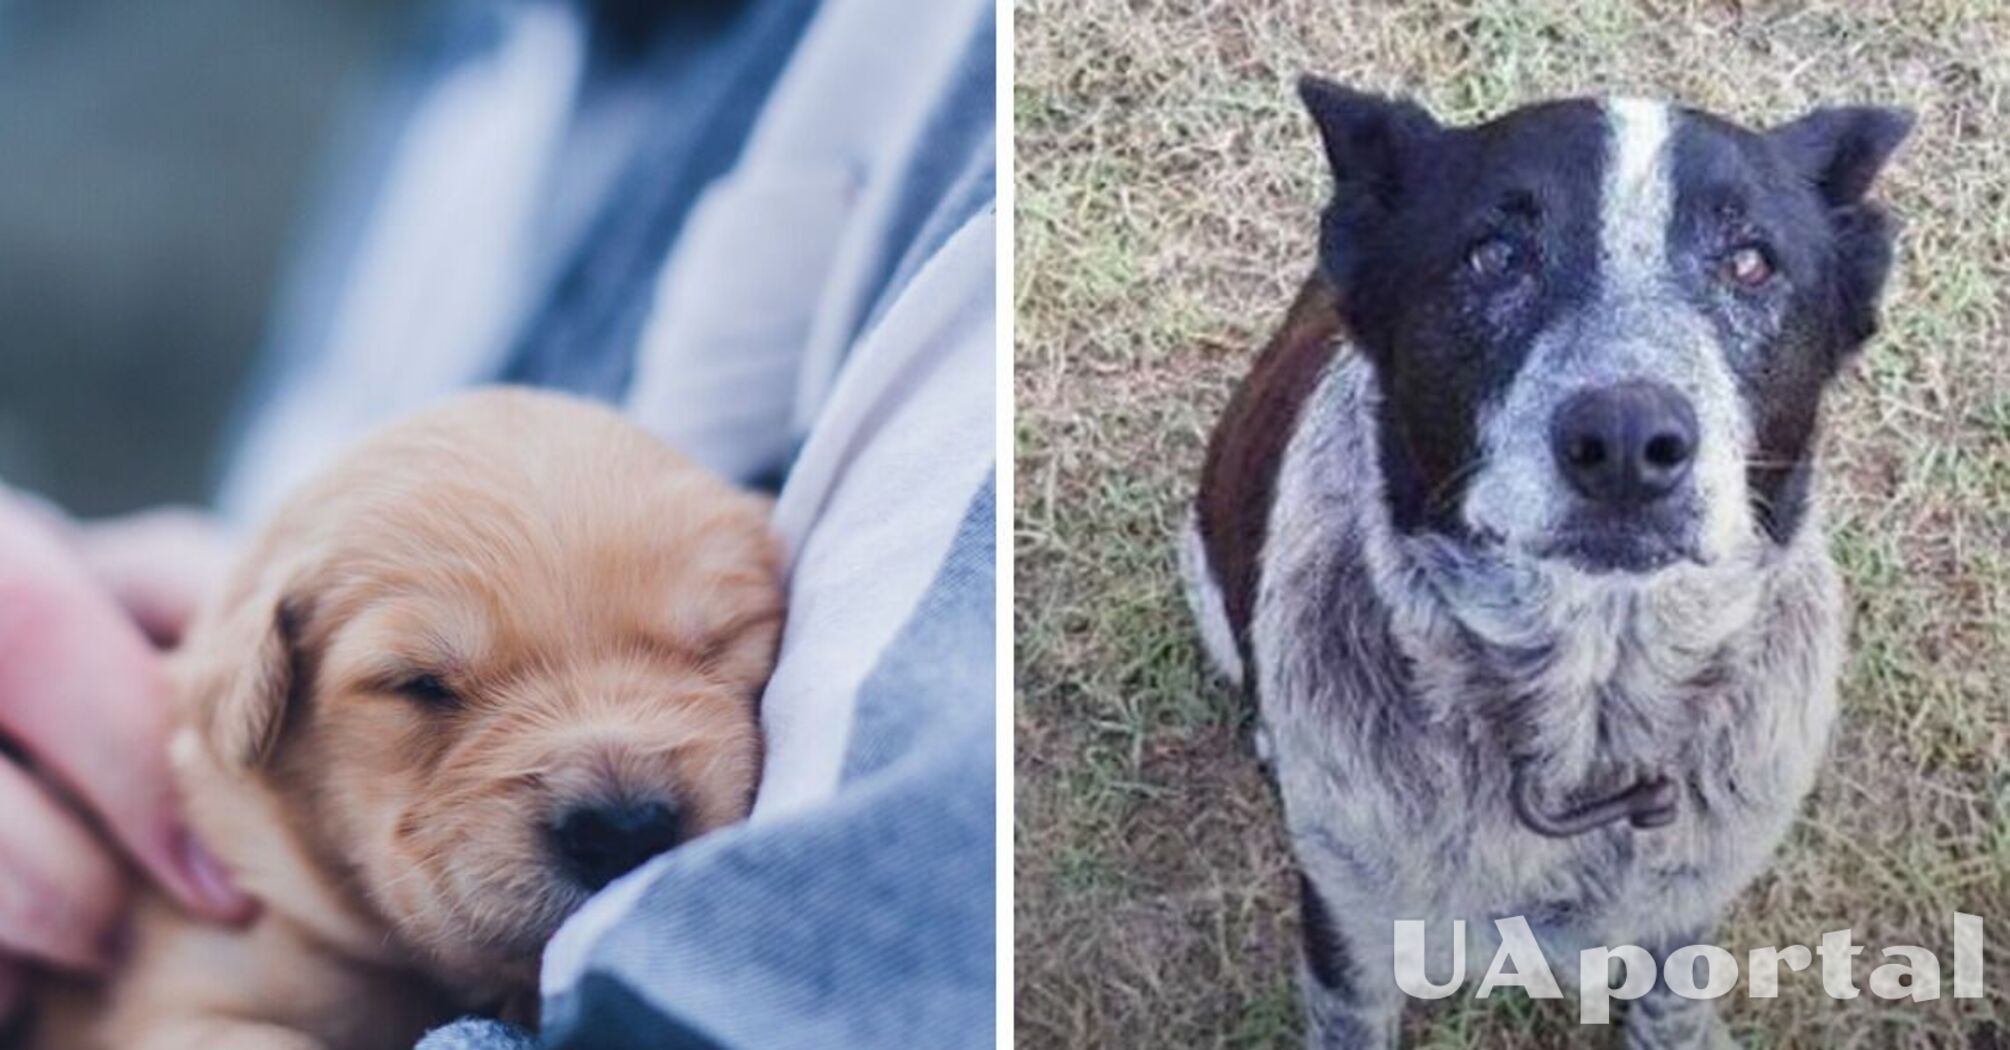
(85, 694)
(61, 894)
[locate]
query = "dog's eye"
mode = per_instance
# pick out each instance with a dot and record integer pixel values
(1748, 266)
(428, 689)
(1492, 257)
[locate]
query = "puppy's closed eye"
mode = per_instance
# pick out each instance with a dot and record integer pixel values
(427, 690)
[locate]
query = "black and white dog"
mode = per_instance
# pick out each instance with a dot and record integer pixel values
(1513, 531)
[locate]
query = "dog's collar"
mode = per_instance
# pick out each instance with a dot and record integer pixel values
(1650, 802)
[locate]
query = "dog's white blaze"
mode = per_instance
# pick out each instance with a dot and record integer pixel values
(1639, 327)
(1636, 210)
(1638, 198)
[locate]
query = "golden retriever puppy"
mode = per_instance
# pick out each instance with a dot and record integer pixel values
(503, 653)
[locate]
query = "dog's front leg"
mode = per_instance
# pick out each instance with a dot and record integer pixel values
(1662, 1020)
(1345, 1009)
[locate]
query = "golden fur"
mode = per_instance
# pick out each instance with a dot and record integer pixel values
(601, 614)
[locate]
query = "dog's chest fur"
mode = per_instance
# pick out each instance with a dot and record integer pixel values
(1400, 686)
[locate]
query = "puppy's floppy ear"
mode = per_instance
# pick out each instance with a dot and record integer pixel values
(1840, 149)
(1370, 141)
(244, 671)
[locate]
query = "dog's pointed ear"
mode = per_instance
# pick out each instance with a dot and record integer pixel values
(1841, 149)
(1369, 139)
(241, 672)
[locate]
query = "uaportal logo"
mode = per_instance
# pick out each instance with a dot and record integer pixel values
(1629, 971)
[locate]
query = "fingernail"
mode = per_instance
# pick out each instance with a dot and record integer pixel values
(210, 880)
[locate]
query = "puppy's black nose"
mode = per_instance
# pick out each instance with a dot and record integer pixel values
(1624, 445)
(598, 842)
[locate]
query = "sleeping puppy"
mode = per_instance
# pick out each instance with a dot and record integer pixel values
(503, 653)
(1513, 535)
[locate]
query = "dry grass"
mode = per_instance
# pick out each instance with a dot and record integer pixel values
(1166, 199)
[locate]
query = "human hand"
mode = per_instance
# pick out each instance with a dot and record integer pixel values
(84, 714)
(157, 565)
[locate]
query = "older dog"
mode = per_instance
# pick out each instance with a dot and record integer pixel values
(1526, 573)
(504, 652)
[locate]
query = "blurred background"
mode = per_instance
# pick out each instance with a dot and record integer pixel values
(155, 160)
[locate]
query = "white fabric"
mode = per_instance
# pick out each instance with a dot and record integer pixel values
(761, 298)
(749, 341)
(904, 441)
(911, 51)
(441, 277)
(720, 351)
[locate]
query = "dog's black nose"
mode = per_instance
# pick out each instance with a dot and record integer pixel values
(1625, 445)
(599, 842)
